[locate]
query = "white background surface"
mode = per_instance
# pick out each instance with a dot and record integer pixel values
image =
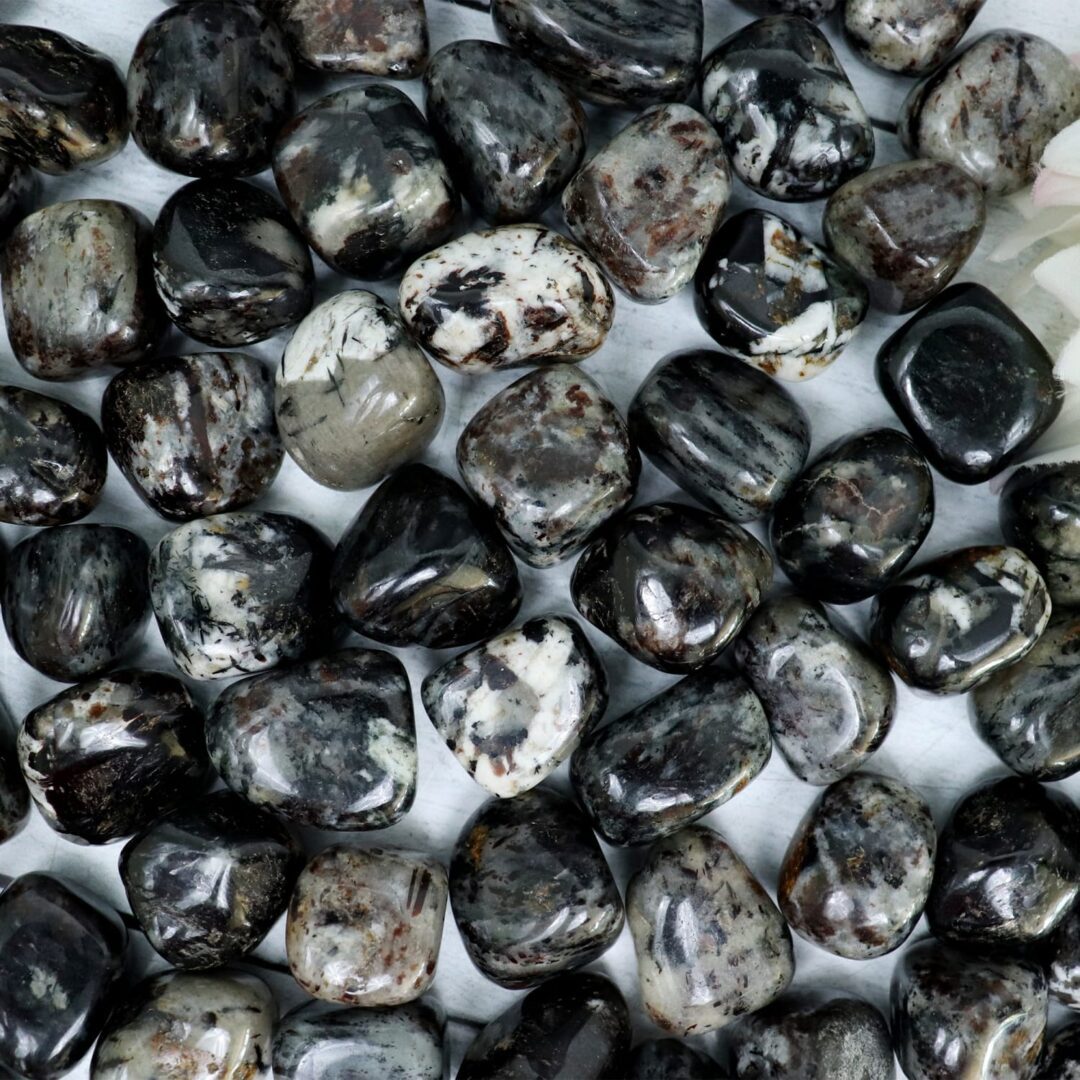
(931, 746)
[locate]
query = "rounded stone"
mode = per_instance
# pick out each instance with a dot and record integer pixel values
(669, 1059)
(104, 758)
(815, 10)
(19, 190)
(52, 460)
(194, 435)
(908, 36)
(855, 518)
(229, 264)
(76, 599)
(209, 86)
(354, 397)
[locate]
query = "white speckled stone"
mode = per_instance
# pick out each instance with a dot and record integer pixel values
(908, 36)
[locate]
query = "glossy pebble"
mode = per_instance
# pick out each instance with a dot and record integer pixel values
(908, 36)
(669, 1059)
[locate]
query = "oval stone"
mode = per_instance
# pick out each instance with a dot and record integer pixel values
(361, 175)
(710, 943)
(906, 229)
(206, 882)
(52, 460)
(670, 761)
(229, 264)
(648, 202)
(209, 86)
(551, 457)
(104, 758)
(513, 708)
(856, 516)
(857, 872)
(530, 890)
(992, 108)
(19, 190)
(517, 295)
(786, 111)
(768, 295)
(194, 435)
(62, 104)
(510, 134)
(634, 54)
(669, 1059)
(329, 743)
(955, 621)
(708, 575)
(829, 700)
(76, 599)
(726, 433)
(908, 36)
(354, 397)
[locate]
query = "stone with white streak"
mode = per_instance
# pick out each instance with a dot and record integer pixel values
(908, 36)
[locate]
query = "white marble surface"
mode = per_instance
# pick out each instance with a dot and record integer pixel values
(932, 745)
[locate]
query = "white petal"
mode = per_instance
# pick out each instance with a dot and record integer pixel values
(1045, 223)
(1062, 153)
(1060, 277)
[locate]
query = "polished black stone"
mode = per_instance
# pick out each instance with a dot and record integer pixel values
(209, 86)
(1061, 1055)
(729, 435)
(1030, 836)
(973, 385)
(75, 599)
(208, 880)
(856, 516)
(52, 459)
(61, 959)
(1061, 954)
(19, 190)
(669, 1059)
(229, 263)
(62, 104)
(575, 1027)
(423, 565)
(107, 756)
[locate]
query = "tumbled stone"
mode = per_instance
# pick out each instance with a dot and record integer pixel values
(14, 798)
(830, 701)
(906, 229)
(773, 298)
(329, 742)
(856, 516)
(857, 872)
(78, 289)
(530, 890)
(956, 620)
(726, 433)
(1029, 712)
(365, 925)
(517, 295)
(423, 565)
(194, 435)
(514, 707)
(361, 175)
(355, 398)
(238, 593)
(935, 371)
(552, 459)
(52, 460)
(1030, 836)
(669, 1059)
(208, 880)
(812, 1036)
(673, 759)
(209, 86)
(671, 584)
(200, 1027)
(368, 37)
(956, 1015)
(510, 134)
(908, 36)
(992, 108)
(1061, 1055)
(814, 10)
(403, 1042)
(62, 104)
(634, 54)
(1062, 960)
(648, 203)
(229, 264)
(61, 961)
(105, 757)
(19, 189)
(710, 943)
(786, 111)
(75, 599)
(575, 1026)
(1040, 514)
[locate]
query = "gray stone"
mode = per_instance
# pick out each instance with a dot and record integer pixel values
(908, 36)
